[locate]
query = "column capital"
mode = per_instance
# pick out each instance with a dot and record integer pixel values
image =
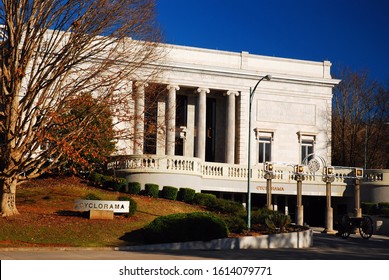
(173, 86)
(141, 83)
(200, 89)
(232, 92)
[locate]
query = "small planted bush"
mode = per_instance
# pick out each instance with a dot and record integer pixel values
(134, 188)
(96, 178)
(204, 199)
(277, 221)
(225, 206)
(259, 216)
(116, 184)
(186, 195)
(169, 192)
(185, 227)
(151, 190)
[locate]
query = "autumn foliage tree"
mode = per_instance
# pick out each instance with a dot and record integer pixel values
(50, 52)
(90, 148)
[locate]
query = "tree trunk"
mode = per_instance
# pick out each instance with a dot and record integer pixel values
(8, 197)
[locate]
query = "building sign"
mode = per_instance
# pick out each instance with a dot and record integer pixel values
(115, 206)
(275, 188)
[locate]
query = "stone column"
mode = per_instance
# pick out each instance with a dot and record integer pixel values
(268, 178)
(357, 196)
(139, 118)
(299, 208)
(201, 123)
(230, 131)
(171, 119)
(329, 211)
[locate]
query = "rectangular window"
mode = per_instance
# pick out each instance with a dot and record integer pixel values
(264, 149)
(306, 149)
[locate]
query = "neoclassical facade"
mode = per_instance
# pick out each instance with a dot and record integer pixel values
(201, 128)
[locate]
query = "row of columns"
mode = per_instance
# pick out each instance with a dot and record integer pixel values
(170, 121)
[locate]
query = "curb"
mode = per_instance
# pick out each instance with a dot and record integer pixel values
(300, 239)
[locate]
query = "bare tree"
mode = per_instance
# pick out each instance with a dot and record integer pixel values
(360, 111)
(51, 51)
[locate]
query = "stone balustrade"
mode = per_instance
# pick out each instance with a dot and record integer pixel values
(212, 170)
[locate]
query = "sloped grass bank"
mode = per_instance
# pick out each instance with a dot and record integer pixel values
(47, 217)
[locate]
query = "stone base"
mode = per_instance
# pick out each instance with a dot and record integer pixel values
(100, 215)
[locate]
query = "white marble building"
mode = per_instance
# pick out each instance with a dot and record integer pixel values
(201, 140)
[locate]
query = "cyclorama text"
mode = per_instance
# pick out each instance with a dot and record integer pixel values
(280, 189)
(115, 206)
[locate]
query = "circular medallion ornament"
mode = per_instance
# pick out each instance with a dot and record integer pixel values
(314, 165)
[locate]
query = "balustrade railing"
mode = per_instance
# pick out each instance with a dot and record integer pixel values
(183, 165)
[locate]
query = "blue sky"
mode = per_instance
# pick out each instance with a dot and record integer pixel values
(349, 33)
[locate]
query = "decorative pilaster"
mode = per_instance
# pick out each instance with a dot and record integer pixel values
(139, 118)
(201, 122)
(230, 131)
(171, 119)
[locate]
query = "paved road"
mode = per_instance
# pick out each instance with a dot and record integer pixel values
(325, 247)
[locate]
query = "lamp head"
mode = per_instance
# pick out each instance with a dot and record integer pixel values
(268, 77)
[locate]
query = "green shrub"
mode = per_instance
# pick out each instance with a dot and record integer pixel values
(91, 196)
(369, 208)
(235, 223)
(383, 205)
(186, 195)
(259, 216)
(133, 204)
(95, 178)
(204, 199)
(277, 221)
(225, 206)
(169, 192)
(116, 184)
(151, 190)
(185, 227)
(134, 188)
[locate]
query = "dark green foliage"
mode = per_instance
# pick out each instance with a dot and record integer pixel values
(235, 223)
(186, 195)
(185, 227)
(369, 208)
(383, 205)
(116, 184)
(277, 221)
(204, 199)
(151, 190)
(225, 206)
(259, 216)
(96, 178)
(169, 192)
(91, 196)
(134, 188)
(133, 204)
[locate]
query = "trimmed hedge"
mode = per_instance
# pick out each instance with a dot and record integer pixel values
(134, 188)
(133, 204)
(183, 227)
(116, 184)
(151, 190)
(225, 206)
(186, 195)
(204, 199)
(169, 192)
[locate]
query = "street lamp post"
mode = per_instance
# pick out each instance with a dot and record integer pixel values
(268, 78)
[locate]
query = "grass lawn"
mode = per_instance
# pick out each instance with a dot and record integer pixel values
(47, 217)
